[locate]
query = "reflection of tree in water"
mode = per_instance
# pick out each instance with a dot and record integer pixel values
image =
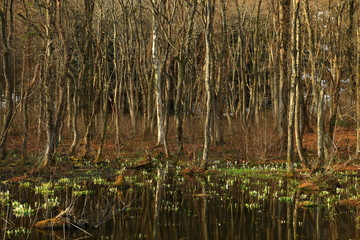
(158, 199)
(203, 211)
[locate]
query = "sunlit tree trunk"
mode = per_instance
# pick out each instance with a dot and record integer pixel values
(157, 203)
(299, 104)
(312, 60)
(157, 68)
(54, 92)
(284, 10)
(208, 80)
(294, 83)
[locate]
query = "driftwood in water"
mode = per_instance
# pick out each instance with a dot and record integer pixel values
(64, 219)
(60, 221)
(54, 223)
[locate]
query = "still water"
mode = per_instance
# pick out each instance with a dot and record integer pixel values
(162, 204)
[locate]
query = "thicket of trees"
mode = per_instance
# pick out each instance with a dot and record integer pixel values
(84, 65)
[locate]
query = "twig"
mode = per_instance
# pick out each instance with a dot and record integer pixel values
(76, 226)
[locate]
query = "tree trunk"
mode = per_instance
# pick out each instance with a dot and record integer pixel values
(284, 11)
(358, 93)
(294, 83)
(321, 135)
(312, 60)
(159, 82)
(55, 92)
(208, 81)
(299, 105)
(9, 86)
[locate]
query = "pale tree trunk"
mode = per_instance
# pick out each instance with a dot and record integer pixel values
(74, 116)
(294, 83)
(299, 125)
(48, 84)
(47, 78)
(208, 81)
(203, 213)
(311, 45)
(55, 93)
(9, 86)
(159, 82)
(157, 203)
(129, 73)
(299, 105)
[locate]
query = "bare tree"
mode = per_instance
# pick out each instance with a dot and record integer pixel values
(209, 12)
(358, 89)
(6, 37)
(157, 61)
(284, 10)
(54, 91)
(295, 51)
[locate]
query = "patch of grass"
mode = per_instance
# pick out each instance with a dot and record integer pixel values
(265, 171)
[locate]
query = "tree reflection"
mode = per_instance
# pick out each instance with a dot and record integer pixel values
(203, 210)
(157, 203)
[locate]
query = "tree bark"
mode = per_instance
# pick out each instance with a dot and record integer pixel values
(158, 76)
(284, 10)
(294, 83)
(208, 81)
(358, 91)
(9, 86)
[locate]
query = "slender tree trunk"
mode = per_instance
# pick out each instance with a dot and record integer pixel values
(208, 81)
(55, 92)
(105, 96)
(9, 86)
(299, 105)
(89, 79)
(159, 82)
(358, 90)
(178, 105)
(294, 84)
(312, 60)
(74, 117)
(48, 79)
(181, 81)
(321, 128)
(118, 83)
(284, 10)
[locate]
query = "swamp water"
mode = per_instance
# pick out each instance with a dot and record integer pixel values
(161, 204)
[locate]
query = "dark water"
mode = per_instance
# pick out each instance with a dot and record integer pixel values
(161, 204)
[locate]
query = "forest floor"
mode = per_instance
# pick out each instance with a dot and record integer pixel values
(136, 148)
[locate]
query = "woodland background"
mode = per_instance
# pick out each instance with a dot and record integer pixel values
(259, 77)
